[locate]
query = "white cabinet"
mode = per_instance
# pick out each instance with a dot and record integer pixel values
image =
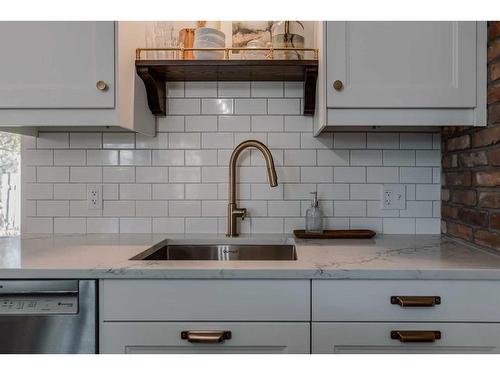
(57, 65)
(168, 338)
(370, 338)
(402, 73)
(67, 74)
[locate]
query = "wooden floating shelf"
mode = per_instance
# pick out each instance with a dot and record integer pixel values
(156, 74)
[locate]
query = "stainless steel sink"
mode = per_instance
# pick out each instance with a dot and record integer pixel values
(218, 252)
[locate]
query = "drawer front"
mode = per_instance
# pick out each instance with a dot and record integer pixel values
(167, 338)
(343, 338)
(213, 300)
(370, 300)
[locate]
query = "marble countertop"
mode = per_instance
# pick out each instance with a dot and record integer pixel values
(383, 257)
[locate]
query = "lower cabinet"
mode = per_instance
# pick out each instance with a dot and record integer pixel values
(443, 338)
(204, 337)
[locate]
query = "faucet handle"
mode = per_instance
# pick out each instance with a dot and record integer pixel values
(243, 213)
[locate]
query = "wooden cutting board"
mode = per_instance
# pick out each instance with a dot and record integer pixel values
(329, 234)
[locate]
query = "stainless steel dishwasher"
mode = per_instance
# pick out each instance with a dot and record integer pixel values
(48, 316)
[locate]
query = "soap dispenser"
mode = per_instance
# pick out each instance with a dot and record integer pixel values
(314, 216)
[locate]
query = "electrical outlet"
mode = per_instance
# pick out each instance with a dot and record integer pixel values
(94, 197)
(393, 197)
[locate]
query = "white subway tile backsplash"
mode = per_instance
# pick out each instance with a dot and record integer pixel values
(102, 157)
(52, 140)
(103, 225)
(183, 106)
(201, 123)
(417, 141)
(250, 106)
(349, 140)
(267, 89)
(366, 157)
(135, 157)
(382, 174)
(85, 174)
(85, 140)
(177, 182)
(69, 157)
(267, 123)
(118, 140)
(234, 89)
(217, 106)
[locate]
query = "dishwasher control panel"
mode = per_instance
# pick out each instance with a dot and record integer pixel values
(38, 304)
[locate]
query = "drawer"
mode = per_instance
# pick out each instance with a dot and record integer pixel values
(370, 300)
(189, 300)
(241, 338)
(376, 338)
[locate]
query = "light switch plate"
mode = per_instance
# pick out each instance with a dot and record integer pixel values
(393, 197)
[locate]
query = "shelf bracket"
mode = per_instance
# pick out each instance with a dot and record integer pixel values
(310, 78)
(156, 90)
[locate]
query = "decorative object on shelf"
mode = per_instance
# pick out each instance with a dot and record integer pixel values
(186, 42)
(208, 38)
(288, 34)
(334, 234)
(255, 50)
(314, 216)
(245, 32)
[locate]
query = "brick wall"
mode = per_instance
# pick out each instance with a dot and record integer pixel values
(471, 167)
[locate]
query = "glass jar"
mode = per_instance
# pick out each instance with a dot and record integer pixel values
(288, 34)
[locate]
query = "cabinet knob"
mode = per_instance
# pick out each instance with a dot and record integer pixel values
(101, 86)
(338, 85)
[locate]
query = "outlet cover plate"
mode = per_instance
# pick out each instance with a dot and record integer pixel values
(393, 197)
(94, 197)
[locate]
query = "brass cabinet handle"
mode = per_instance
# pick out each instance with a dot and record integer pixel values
(338, 85)
(206, 336)
(101, 85)
(416, 301)
(416, 336)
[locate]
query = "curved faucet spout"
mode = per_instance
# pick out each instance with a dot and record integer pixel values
(233, 211)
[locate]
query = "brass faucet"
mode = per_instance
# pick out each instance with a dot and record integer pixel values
(233, 211)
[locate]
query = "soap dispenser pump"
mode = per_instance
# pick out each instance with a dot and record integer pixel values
(314, 216)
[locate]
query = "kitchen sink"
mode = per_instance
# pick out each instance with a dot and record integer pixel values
(218, 252)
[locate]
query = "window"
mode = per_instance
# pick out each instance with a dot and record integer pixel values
(10, 184)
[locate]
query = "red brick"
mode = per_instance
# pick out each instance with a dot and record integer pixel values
(495, 71)
(494, 113)
(450, 161)
(473, 217)
(449, 212)
(493, 94)
(486, 137)
(495, 221)
(494, 156)
(493, 30)
(473, 159)
(458, 143)
(494, 50)
(489, 199)
(458, 178)
(459, 230)
(487, 239)
(490, 178)
(464, 197)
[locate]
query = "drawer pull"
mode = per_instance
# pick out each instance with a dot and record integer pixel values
(206, 336)
(416, 336)
(416, 301)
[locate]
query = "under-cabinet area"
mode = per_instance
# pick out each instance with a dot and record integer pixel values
(299, 316)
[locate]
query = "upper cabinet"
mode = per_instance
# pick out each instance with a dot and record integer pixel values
(402, 73)
(71, 74)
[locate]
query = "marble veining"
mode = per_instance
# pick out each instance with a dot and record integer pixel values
(384, 257)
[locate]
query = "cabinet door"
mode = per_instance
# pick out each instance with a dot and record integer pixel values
(401, 64)
(57, 64)
(370, 338)
(165, 338)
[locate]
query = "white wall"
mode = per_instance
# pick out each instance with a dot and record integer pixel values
(177, 182)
